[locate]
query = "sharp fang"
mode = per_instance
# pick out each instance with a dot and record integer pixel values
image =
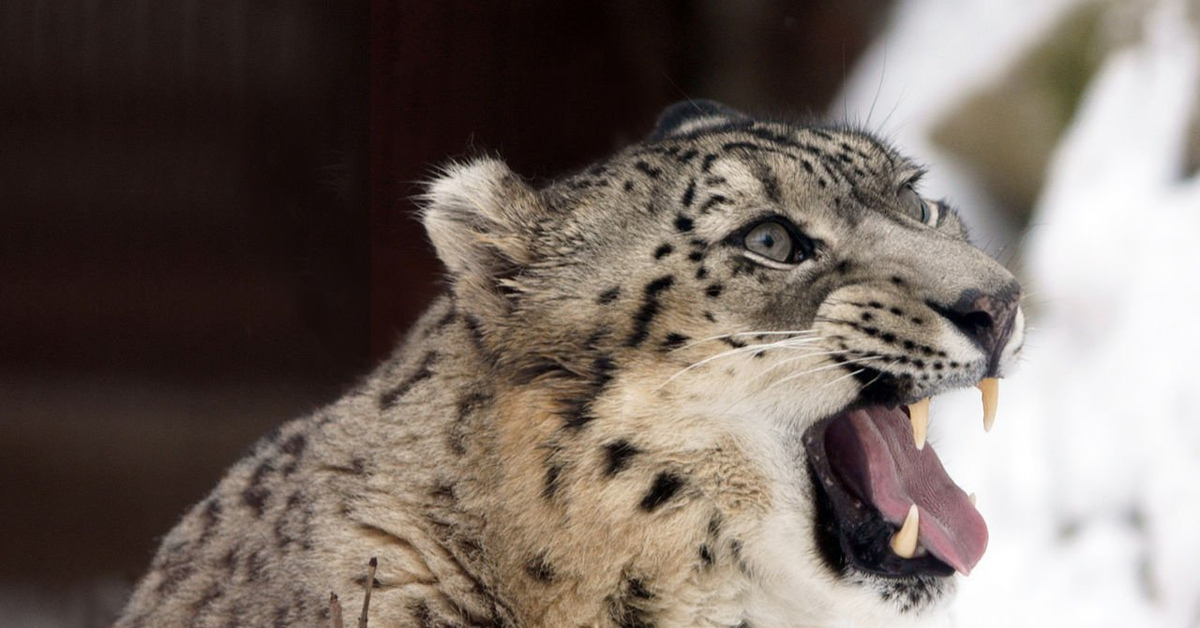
(990, 388)
(918, 413)
(904, 542)
(971, 498)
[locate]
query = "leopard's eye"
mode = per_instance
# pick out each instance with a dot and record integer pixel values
(771, 240)
(916, 206)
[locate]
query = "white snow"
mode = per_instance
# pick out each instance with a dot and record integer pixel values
(1091, 480)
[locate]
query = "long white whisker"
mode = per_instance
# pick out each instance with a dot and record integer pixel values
(838, 379)
(853, 373)
(802, 332)
(890, 362)
(782, 363)
(744, 398)
(819, 369)
(791, 343)
(775, 333)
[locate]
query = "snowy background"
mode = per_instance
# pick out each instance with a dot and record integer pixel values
(1090, 481)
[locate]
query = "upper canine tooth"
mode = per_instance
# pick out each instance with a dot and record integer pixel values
(904, 542)
(990, 388)
(918, 413)
(971, 498)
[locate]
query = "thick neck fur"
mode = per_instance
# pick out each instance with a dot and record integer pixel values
(586, 507)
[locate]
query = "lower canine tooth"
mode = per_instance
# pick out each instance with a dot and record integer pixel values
(990, 388)
(904, 542)
(918, 413)
(971, 498)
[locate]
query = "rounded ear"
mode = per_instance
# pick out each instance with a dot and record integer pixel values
(693, 115)
(480, 217)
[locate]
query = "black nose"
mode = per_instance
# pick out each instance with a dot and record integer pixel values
(987, 319)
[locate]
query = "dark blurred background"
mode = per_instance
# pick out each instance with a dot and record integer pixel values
(206, 224)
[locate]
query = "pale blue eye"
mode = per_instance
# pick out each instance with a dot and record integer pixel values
(770, 240)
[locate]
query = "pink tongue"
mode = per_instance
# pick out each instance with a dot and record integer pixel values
(872, 451)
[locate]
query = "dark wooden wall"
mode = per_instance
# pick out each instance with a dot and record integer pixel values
(183, 255)
(206, 222)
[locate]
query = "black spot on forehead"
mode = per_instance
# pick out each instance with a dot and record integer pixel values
(689, 194)
(714, 201)
(769, 182)
(648, 170)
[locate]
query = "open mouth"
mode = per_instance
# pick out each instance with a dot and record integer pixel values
(885, 504)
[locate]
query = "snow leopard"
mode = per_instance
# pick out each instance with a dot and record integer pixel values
(687, 385)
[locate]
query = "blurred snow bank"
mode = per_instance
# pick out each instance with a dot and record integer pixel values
(1091, 480)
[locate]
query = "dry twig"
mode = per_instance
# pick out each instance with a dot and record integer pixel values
(368, 585)
(335, 611)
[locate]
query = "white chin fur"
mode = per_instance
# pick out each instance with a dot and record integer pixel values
(793, 587)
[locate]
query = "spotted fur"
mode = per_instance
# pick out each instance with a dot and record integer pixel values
(600, 423)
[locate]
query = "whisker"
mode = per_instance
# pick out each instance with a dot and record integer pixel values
(890, 362)
(838, 379)
(726, 354)
(821, 368)
(748, 395)
(800, 332)
(855, 373)
(745, 397)
(782, 363)
(840, 321)
(787, 343)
